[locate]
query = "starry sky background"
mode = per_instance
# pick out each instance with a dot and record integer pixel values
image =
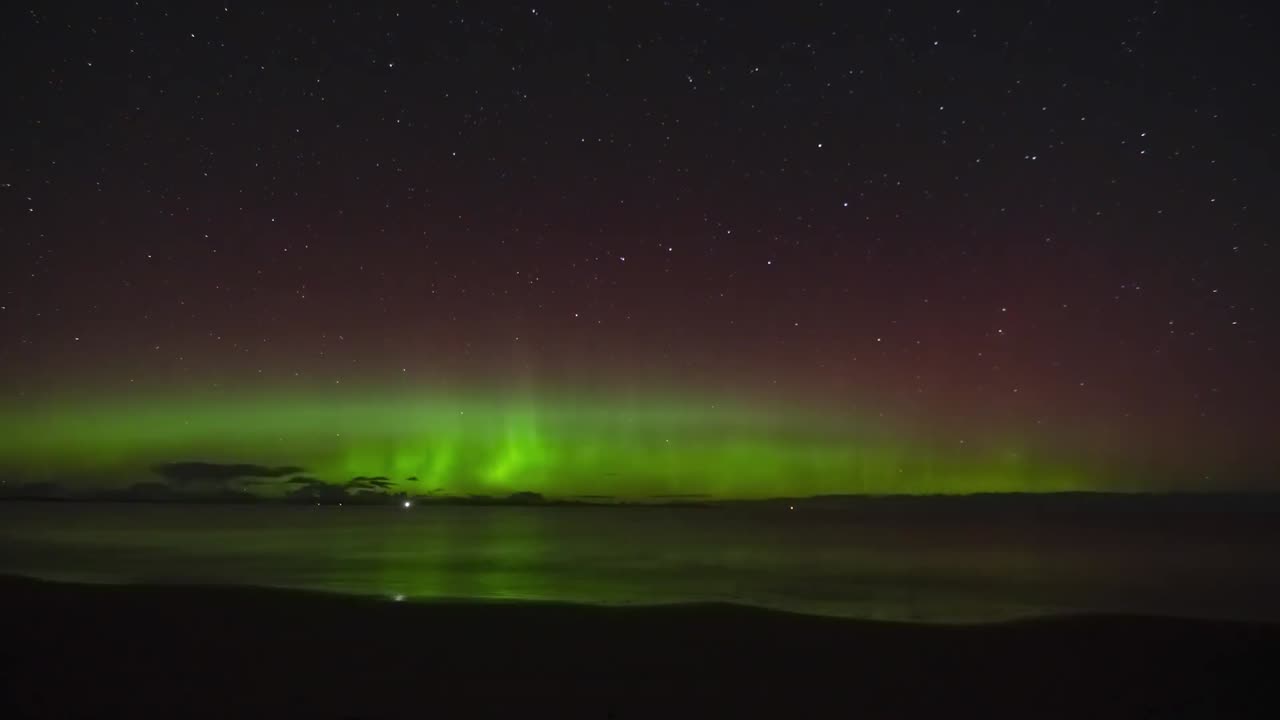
(1036, 229)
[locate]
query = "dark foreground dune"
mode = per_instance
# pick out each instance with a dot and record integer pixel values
(109, 651)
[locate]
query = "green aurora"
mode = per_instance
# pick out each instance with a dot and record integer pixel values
(562, 446)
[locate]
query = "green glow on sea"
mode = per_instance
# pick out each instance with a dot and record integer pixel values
(561, 446)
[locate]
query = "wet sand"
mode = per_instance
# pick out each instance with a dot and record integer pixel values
(166, 651)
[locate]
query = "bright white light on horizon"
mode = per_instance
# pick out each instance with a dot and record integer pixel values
(408, 503)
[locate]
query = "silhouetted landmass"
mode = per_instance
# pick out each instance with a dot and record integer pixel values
(152, 491)
(114, 651)
(683, 496)
(1033, 502)
(227, 483)
(41, 490)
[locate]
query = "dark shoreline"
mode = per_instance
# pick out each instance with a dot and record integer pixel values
(143, 651)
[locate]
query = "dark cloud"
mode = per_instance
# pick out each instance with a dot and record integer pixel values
(194, 472)
(304, 480)
(319, 492)
(369, 483)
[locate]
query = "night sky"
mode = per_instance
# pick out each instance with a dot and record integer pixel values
(660, 248)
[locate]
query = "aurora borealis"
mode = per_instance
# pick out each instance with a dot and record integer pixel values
(689, 250)
(576, 447)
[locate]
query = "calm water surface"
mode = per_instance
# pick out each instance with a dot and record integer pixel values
(901, 566)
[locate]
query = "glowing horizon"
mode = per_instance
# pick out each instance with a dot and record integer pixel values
(559, 446)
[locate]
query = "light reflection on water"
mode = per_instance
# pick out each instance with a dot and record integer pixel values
(891, 566)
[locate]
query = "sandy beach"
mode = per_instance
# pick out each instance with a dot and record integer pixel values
(141, 651)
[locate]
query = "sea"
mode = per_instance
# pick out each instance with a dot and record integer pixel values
(915, 564)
